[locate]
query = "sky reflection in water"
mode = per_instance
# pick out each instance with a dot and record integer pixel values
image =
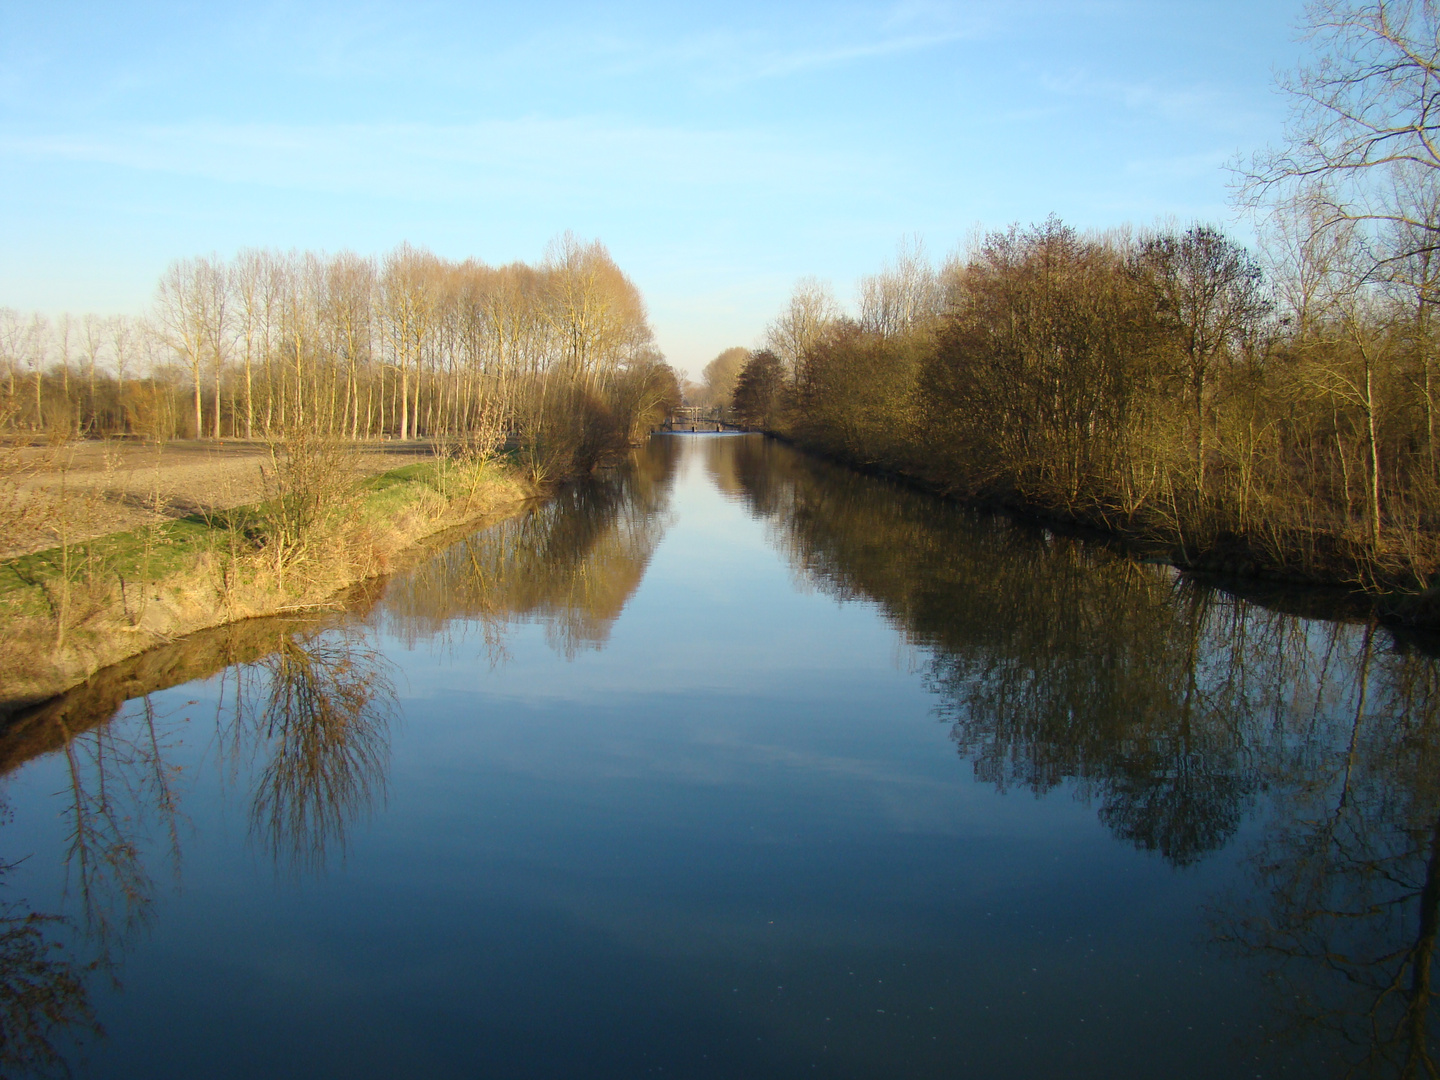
(664, 776)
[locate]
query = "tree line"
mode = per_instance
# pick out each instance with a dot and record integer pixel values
(559, 355)
(1271, 409)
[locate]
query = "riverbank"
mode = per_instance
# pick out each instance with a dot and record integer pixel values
(69, 611)
(1315, 559)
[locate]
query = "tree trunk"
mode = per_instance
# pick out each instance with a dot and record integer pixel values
(199, 400)
(1429, 416)
(404, 401)
(1199, 385)
(1374, 457)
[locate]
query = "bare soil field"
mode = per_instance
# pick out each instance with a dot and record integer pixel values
(88, 489)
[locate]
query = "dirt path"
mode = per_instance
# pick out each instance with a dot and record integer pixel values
(94, 488)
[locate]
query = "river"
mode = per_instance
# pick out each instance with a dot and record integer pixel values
(735, 764)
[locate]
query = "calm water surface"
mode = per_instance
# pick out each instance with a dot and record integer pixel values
(732, 764)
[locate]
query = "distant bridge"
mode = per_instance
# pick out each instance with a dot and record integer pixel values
(696, 418)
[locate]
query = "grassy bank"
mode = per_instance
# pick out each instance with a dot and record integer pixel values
(76, 608)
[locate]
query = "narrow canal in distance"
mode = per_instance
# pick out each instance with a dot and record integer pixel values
(735, 764)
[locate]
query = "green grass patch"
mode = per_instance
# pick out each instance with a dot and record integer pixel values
(423, 472)
(138, 555)
(155, 551)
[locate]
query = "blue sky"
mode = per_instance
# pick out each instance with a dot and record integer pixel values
(720, 151)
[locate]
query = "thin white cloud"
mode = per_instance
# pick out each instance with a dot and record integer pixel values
(1180, 166)
(1196, 105)
(526, 157)
(720, 58)
(793, 62)
(363, 42)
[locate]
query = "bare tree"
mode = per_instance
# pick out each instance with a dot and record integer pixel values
(37, 352)
(594, 308)
(349, 289)
(1210, 292)
(62, 423)
(92, 343)
(1346, 369)
(190, 308)
(811, 310)
(123, 350)
(905, 294)
(1365, 113)
(252, 285)
(12, 348)
(406, 302)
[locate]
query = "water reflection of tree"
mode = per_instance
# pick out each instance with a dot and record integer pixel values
(720, 464)
(310, 715)
(120, 797)
(1344, 905)
(44, 994)
(572, 563)
(307, 709)
(1057, 661)
(321, 719)
(1175, 706)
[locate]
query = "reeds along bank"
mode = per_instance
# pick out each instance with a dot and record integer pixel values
(407, 346)
(1277, 418)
